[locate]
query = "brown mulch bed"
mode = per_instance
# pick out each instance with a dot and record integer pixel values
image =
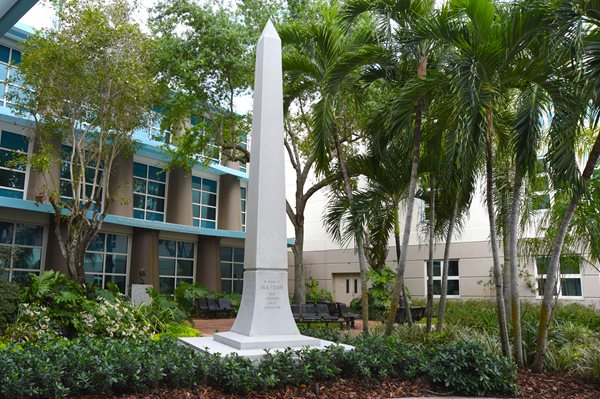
(544, 386)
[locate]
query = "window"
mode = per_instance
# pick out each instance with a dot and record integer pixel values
(570, 276)
(20, 251)
(176, 263)
(232, 269)
(244, 144)
(540, 198)
(204, 202)
(149, 187)
(91, 180)
(154, 131)
(9, 79)
(453, 278)
(12, 173)
(106, 260)
(348, 286)
(243, 194)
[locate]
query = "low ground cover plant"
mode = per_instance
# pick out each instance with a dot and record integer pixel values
(59, 368)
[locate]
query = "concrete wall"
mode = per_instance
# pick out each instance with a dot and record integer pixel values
(475, 271)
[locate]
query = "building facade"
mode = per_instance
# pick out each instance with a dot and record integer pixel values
(470, 267)
(163, 228)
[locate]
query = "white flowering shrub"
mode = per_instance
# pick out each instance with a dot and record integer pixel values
(97, 317)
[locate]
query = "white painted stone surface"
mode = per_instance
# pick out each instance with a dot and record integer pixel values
(139, 293)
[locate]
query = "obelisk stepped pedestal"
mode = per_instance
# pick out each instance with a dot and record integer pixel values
(265, 319)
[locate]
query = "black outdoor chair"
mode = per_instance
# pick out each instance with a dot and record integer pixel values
(308, 313)
(346, 315)
(225, 306)
(213, 305)
(324, 314)
(202, 305)
(296, 312)
(416, 313)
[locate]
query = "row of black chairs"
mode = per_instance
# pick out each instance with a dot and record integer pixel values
(215, 306)
(324, 312)
(416, 313)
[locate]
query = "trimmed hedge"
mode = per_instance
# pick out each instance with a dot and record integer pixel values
(9, 304)
(108, 366)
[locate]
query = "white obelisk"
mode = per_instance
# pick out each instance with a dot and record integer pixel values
(264, 320)
(264, 310)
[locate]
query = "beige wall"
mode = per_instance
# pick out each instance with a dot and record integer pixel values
(121, 187)
(475, 266)
(179, 197)
(144, 257)
(230, 205)
(208, 272)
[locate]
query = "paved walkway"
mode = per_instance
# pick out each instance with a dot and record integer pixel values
(210, 326)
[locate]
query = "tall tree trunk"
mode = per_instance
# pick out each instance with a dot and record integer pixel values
(506, 271)
(444, 289)
(552, 274)
(359, 239)
(364, 289)
(404, 298)
(430, 262)
(489, 175)
(399, 288)
(299, 275)
(514, 273)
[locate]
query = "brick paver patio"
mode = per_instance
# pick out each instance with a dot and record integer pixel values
(210, 326)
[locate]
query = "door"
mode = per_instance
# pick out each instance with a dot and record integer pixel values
(346, 287)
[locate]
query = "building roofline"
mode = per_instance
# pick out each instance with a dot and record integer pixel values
(10, 16)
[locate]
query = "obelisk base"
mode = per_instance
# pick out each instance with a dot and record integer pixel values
(256, 347)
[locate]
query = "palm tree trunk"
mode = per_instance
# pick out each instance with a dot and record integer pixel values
(299, 278)
(506, 271)
(501, 312)
(404, 298)
(547, 303)
(430, 263)
(444, 289)
(399, 288)
(362, 260)
(514, 274)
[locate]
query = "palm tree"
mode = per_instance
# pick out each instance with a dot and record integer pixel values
(488, 52)
(576, 26)
(327, 53)
(396, 19)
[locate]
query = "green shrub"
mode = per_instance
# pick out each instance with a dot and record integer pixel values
(161, 312)
(186, 295)
(588, 365)
(9, 304)
(80, 366)
(471, 370)
(316, 294)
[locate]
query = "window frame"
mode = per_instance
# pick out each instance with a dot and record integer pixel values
(104, 253)
(543, 174)
(10, 66)
(148, 163)
(43, 247)
(175, 275)
(216, 207)
(25, 171)
(439, 278)
(84, 188)
(232, 262)
(561, 277)
(244, 205)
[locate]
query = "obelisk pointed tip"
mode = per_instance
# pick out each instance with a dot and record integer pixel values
(269, 30)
